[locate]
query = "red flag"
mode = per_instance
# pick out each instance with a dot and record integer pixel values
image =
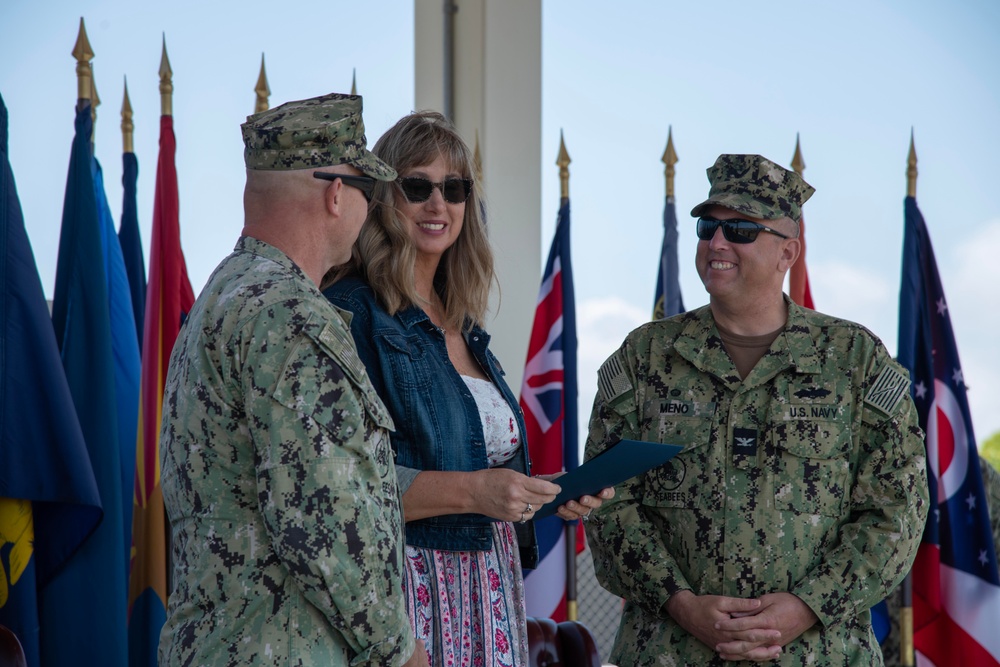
(798, 277)
(168, 299)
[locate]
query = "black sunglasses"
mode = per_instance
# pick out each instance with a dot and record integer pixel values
(735, 231)
(364, 183)
(417, 189)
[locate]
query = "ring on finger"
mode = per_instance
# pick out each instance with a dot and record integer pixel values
(522, 518)
(527, 509)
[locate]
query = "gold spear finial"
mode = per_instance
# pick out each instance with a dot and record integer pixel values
(83, 54)
(127, 125)
(798, 164)
(669, 159)
(166, 83)
(562, 161)
(911, 169)
(354, 81)
(477, 160)
(262, 89)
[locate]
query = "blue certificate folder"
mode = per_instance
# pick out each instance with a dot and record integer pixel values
(623, 460)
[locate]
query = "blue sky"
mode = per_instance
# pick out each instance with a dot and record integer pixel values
(852, 78)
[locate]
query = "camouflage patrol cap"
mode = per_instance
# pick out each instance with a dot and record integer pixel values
(755, 186)
(319, 132)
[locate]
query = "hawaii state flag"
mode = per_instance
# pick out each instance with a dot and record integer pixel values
(168, 300)
(956, 590)
(548, 399)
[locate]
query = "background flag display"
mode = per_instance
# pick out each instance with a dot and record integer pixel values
(549, 402)
(85, 601)
(168, 299)
(956, 589)
(667, 300)
(51, 504)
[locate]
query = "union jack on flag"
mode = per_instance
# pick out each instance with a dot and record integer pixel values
(548, 399)
(956, 589)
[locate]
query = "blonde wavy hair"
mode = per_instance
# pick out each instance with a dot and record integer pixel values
(384, 255)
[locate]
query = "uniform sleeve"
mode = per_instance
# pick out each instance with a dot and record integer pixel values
(888, 502)
(630, 558)
(325, 483)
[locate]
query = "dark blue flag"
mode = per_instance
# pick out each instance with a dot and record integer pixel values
(956, 588)
(86, 602)
(131, 242)
(49, 502)
(667, 301)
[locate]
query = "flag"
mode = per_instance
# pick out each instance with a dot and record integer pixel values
(798, 277)
(667, 301)
(51, 503)
(125, 349)
(85, 602)
(956, 589)
(549, 403)
(131, 243)
(168, 299)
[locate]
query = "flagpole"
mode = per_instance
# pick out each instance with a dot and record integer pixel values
(906, 657)
(83, 54)
(127, 125)
(166, 83)
(354, 81)
(262, 90)
(562, 161)
(669, 159)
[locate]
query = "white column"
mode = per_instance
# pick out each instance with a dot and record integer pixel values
(497, 92)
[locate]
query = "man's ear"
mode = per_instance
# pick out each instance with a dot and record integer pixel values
(790, 251)
(333, 197)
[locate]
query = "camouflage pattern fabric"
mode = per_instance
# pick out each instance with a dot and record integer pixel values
(308, 134)
(753, 185)
(806, 477)
(278, 480)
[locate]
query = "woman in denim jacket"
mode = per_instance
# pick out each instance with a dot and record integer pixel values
(418, 288)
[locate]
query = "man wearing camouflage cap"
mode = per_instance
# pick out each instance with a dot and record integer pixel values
(800, 497)
(277, 474)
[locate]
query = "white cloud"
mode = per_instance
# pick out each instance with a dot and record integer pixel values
(970, 273)
(601, 326)
(858, 294)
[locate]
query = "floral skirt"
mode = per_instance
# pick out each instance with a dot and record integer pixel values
(468, 606)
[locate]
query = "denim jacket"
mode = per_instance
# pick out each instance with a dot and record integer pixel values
(437, 419)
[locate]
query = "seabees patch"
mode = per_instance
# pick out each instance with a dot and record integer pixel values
(888, 389)
(612, 381)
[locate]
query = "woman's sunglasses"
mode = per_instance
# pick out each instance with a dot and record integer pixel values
(735, 231)
(418, 190)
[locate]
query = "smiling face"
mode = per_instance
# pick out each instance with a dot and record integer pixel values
(746, 271)
(433, 225)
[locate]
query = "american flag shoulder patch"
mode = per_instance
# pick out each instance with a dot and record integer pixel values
(612, 381)
(888, 389)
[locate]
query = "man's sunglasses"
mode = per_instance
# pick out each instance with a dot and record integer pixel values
(735, 231)
(418, 190)
(364, 183)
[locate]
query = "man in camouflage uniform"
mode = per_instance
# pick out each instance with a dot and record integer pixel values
(800, 496)
(277, 474)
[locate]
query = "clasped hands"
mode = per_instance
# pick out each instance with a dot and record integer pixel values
(739, 628)
(508, 495)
